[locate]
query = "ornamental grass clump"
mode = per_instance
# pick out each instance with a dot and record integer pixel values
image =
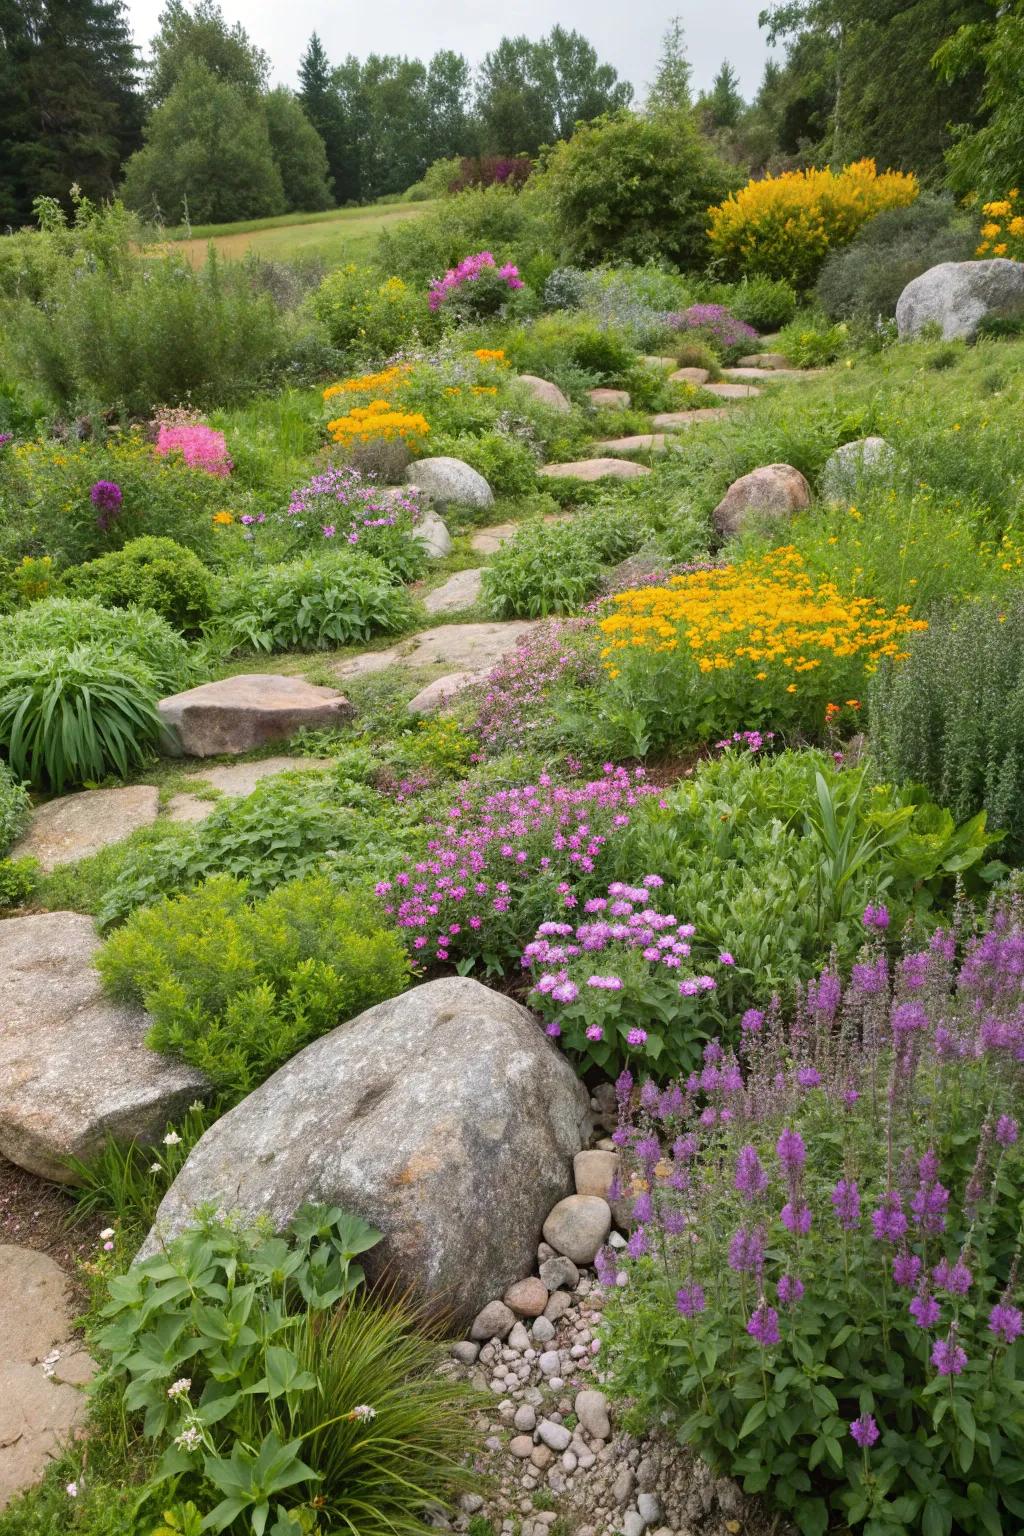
(822, 1287)
(759, 641)
(500, 864)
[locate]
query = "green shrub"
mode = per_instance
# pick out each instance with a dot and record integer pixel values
(291, 825)
(633, 188)
(509, 224)
(73, 716)
(367, 318)
(338, 598)
(544, 569)
(15, 807)
(143, 637)
(952, 716)
(326, 1400)
(235, 988)
(766, 303)
(150, 573)
(19, 878)
(810, 341)
(863, 280)
(556, 340)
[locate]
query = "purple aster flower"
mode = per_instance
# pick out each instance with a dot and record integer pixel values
(796, 1216)
(808, 1077)
(789, 1290)
(1007, 1130)
(746, 1250)
(846, 1204)
(925, 1310)
(947, 1356)
(864, 1430)
(906, 1267)
(725, 958)
(876, 917)
(954, 1279)
(638, 1244)
(1006, 1322)
(751, 1179)
(637, 1037)
(791, 1151)
(690, 1300)
(764, 1325)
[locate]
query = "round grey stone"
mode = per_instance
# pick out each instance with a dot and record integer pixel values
(495, 1321)
(578, 1227)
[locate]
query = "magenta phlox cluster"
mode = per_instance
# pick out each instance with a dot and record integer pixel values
(514, 703)
(201, 447)
(343, 503)
(468, 271)
(716, 319)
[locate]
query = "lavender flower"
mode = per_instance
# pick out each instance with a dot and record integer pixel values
(746, 1251)
(925, 1310)
(751, 1180)
(764, 1325)
(791, 1151)
(865, 1431)
(690, 1300)
(790, 1290)
(846, 1204)
(947, 1356)
(1007, 1131)
(1006, 1322)
(906, 1267)
(954, 1279)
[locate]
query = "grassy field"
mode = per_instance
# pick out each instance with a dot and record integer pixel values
(340, 234)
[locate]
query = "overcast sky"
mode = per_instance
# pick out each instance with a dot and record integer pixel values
(626, 35)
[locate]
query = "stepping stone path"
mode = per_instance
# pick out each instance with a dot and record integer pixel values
(596, 469)
(764, 360)
(463, 647)
(236, 779)
(74, 1067)
(733, 391)
(241, 713)
(44, 1368)
(488, 540)
(438, 693)
(73, 827)
(545, 392)
(641, 442)
(689, 376)
(673, 421)
(775, 375)
(460, 591)
(609, 399)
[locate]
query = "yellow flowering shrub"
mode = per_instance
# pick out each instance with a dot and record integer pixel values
(491, 355)
(376, 421)
(784, 226)
(758, 643)
(1002, 233)
(383, 383)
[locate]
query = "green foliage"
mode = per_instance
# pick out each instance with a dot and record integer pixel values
(508, 466)
(556, 567)
(766, 303)
(290, 825)
(235, 988)
(298, 152)
(953, 715)
(809, 341)
(545, 348)
(126, 1181)
(988, 150)
(337, 598)
(64, 623)
(198, 31)
(73, 716)
(531, 93)
(864, 279)
(367, 318)
(298, 1383)
(511, 225)
(19, 879)
(150, 573)
(635, 189)
(15, 806)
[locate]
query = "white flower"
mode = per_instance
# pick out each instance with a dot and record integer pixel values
(180, 1388)
(189, 1439)
(172, 1139)
(156, 1167)
(364, 1411)
(107, 1232)
(72, 1490)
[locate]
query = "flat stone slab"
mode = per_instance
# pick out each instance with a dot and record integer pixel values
(438, 693)
(764, 360)
(659, 362)
(460, 591)
(640, 442)
(43, 1370)
(488, 540)
(689, 376)
(238, 714)
(609, 399)
(677, 421)
(463, 647)
(773, 375)
(596, 469)
(74, 1066)
(733, 391)
(236, 779)
(544, 392)
(76, 825)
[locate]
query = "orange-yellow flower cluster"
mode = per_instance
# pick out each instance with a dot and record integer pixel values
(1002, 234)
(381, 383)
(379, 419)
(785, 226)
(766, 614)
(491, 355)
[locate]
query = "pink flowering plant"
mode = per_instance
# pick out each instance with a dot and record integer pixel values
(822, 1286)
(498, 865)
(623, 984)
(476, 287)
(200, 446)
(343, 508)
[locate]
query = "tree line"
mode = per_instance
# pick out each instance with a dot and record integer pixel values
(195, 130)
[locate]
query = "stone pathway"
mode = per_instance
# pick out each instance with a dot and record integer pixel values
(43, 1371)
(733, 391)
(773, 375)
(460, 591)
(640, 442)
(488, 540)
(463, 647)
(76, 825)
(609, 399)
(237, 780)
(438, 693)
(676, 421)
(595, 469)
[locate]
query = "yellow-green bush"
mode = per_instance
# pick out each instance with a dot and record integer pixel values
(365, 316)
(785, 226)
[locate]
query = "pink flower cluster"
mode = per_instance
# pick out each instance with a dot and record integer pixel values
(200, 446)
(467, 271)
(364, 503)
(517, 847)
(514, 701)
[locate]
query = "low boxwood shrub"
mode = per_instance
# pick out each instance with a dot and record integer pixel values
(149, 573)
(766, 303)
(341, 597)
(822, 1291)
(236, 987)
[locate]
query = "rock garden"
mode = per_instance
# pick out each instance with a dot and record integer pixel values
(511, 932)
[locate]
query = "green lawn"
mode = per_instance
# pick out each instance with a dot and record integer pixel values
(340, 234)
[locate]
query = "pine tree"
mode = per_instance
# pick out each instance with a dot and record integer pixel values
(322, 104)
(724, 100)
(670, 91)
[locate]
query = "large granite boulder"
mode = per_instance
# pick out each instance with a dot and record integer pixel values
(866, 462)
(240, 713)
(774, 491)
(959, 295)
(544, 392)
(444, 1116)
(74, 1067)
(447, 482)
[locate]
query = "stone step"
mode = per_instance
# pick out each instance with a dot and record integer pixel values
(640, 442)
(689, 376)
(75, 826)
(733, 391)
(764, 360)
(773, 375)
(460, 591)
(676, 421)
(236, 780)
(595, 469)
(475, 647)
(438, 693)
(609, 399)
(239, 714)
